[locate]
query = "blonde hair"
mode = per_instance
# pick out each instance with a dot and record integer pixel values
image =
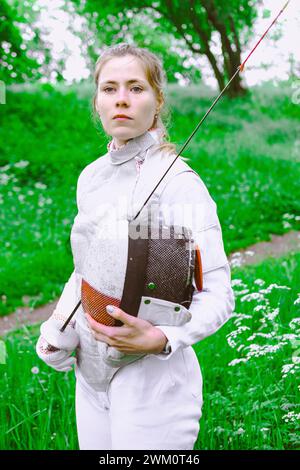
(155, 75)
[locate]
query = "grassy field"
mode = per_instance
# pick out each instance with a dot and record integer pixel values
(250, 371)
(246, 153)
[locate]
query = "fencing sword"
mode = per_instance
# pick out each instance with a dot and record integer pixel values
(239, 69)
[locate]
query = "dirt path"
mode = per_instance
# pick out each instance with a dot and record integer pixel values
(278, 246)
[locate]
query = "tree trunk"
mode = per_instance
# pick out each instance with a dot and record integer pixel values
(232, 58)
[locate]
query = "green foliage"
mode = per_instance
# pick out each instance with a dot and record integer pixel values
(245, 155)
(251, 367)
(16, 65)
(192, 24)
(246, 158)
(247, 404)
(242, 12)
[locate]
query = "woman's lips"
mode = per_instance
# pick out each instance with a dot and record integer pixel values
(121, 119)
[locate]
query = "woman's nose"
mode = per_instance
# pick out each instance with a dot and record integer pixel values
(122, 97)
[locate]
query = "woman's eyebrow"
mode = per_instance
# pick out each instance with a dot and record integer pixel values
(128, 81)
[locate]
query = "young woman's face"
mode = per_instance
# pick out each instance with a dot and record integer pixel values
(129, 94)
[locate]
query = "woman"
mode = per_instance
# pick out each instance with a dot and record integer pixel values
(139, 385)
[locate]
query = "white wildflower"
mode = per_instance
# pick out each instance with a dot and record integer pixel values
(297, 301)
(236, 282)
(259, 307)
(237, 361)
(35, 370)
(238, 331)
(290, 336)
(256, 350)
(271, 287)
(288, 369)
(241, 292)
(296, 358)
(4, 168)
(252, 296)
(286, 224)
(235, 263)
(218, 429)
(240, 316)
(39, 185)
(273, 314)
(263, 335)
(4, 178)
(291, 417)
(294, 323)
(21, 164)
(240, 431)
(259, 282)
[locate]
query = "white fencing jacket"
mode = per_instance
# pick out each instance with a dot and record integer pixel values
(114, 187)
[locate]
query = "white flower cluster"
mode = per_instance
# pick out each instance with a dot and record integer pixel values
(289, 369)
(233, 334)
(294, 323)
(40, 185)
(271, 287)
(269, 337)
(291, 417)
(21, 164)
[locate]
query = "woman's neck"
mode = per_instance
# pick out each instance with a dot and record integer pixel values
(114, 145)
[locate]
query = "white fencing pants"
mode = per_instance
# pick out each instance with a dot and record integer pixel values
(149, 404)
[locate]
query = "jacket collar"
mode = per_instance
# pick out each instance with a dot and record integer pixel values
(135, 146)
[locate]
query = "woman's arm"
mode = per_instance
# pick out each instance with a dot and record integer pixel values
(54, 347)
(187, 201)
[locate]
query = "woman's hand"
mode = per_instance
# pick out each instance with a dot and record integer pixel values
(58, 359)
(54, 347)
(134, 337)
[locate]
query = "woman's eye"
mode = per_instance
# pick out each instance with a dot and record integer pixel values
(137, 88)
(134, 87)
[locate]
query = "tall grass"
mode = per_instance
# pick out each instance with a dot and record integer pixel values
(250, 371)
(246, 154)
(251, 368)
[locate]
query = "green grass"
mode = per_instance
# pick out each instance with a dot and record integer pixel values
(248, 392)
(246, 153)
(247, 395)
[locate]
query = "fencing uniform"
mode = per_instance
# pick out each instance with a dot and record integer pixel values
(143, 401)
